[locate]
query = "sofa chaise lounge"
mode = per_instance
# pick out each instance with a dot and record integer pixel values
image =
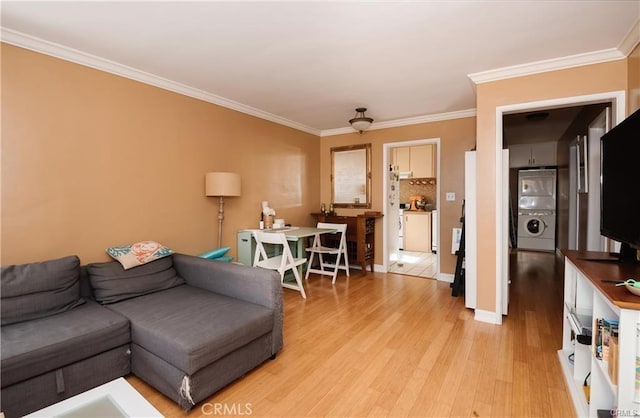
(187, 326)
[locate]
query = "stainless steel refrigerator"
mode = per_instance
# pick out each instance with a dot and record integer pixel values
(584, 194)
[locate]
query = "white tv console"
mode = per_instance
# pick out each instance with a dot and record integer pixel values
(590, 294)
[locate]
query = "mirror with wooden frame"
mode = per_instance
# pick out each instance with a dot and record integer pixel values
(351, 176)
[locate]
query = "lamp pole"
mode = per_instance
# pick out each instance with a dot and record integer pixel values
(220, 218)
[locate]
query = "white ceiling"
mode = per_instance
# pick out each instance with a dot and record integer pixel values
(310, 64)
(517, 129)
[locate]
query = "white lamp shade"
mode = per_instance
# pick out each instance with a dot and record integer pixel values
(222, 184)
(361, 125)
(360, 122)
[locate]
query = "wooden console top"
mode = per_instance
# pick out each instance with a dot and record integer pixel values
(598, 272)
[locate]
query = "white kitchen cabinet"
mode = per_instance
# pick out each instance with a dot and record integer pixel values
(419, 160)
(417, 231)
(423, 161)
(589, 295)
(401, 159)
(533, 155)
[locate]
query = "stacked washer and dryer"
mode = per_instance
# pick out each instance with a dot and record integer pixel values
(537, 209)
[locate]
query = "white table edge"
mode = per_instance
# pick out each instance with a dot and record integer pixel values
(128, 399)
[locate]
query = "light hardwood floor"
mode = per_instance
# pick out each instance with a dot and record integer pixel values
(390, 345)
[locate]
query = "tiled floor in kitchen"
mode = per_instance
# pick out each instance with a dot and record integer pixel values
(415, 264)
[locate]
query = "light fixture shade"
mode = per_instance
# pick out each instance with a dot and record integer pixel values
(222, 184)
(360, 122)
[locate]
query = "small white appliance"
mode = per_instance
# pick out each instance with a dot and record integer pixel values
(537, 209)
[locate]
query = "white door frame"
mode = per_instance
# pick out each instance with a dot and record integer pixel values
(386, 150)
(618, 100)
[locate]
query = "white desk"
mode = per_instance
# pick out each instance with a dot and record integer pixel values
(295, 235)
(297, 242)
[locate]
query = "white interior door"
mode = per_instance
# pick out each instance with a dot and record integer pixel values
(505, 232)
(573, 196)
(470, 227)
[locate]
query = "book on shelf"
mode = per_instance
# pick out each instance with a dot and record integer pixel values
(597, 338)
(613, 357)
(606, 345)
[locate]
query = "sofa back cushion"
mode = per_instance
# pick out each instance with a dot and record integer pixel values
(36, 290)
(112, 283)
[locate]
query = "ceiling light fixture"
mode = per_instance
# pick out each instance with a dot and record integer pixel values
(360, 122)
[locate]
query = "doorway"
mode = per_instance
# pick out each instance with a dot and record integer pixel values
(618, 106)
(411, 200)
(563, 141)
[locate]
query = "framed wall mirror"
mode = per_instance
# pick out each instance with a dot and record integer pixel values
(351, 176)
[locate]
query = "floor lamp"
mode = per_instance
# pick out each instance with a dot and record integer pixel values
(221, 185)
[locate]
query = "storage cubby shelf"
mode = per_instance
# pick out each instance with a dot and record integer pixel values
(590, 293)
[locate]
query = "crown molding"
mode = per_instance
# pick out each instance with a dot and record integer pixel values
(405, 122)
(628, 43)
(554, 64)
(69, 54)
(631, 39)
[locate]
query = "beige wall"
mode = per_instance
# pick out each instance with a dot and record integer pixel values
(456, 137)
(91, 160)
(634, 80)
(590, 79)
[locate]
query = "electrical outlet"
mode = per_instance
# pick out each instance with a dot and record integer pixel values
(451, 196)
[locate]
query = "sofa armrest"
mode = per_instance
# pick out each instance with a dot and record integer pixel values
(251, 284)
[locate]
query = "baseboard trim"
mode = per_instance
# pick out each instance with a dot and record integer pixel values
(445, 277)
(488, 316)
(377, 268)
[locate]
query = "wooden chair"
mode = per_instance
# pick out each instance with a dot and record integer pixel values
(329, 268)
(282, 262)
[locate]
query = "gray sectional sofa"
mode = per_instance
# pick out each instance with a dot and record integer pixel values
(187, 326)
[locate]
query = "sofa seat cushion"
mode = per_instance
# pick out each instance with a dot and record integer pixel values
(191, 328)
(41, 345)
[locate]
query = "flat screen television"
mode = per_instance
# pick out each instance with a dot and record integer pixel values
(620, 187)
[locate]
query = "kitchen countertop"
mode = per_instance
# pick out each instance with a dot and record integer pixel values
(418, 212)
